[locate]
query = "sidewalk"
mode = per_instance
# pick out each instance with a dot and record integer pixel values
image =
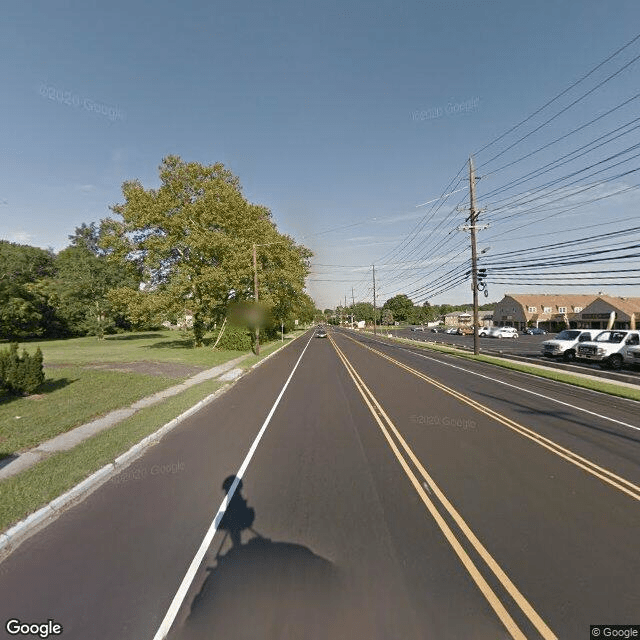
(16, 464)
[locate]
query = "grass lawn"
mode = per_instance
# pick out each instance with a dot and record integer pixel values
(26, 492)
(151, 346)
(69, 397)
(74, 393)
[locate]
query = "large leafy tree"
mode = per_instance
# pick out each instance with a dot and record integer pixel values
(24, 309)
(80, 288)
(400, 306)
(193, 239)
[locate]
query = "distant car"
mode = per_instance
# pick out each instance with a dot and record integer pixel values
(502, 332)
(418, 328)
(535, 331)
(434, 330)
(321, 333)
(483, 331)
(465, 331)
(451, 330)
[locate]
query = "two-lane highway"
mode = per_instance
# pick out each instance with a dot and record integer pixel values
(372, 492)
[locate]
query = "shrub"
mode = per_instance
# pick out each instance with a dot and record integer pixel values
(235, 338)
(20, 374)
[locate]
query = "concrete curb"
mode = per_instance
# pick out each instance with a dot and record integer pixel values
(19, 532)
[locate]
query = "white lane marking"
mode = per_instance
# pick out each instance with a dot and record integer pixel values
(534, 393)
(176, 603)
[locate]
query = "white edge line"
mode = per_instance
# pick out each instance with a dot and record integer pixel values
(176, 603)
(508, 384)
(26, 527)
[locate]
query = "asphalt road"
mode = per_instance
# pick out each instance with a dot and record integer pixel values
(389, 494)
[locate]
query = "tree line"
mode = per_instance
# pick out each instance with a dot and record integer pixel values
(400, 308)
(182, 250)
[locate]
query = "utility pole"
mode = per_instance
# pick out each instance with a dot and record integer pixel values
(473, 220)
(353, 307)
(375, 332)
(255, 295)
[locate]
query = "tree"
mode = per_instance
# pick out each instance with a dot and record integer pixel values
(192, 239)
(400, 306)
(387, 317)
(363, 311)
(87, 236)
(24, 309)
(80, 287)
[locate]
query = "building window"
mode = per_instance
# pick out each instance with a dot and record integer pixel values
(562, 309)
(532, 309)
(578, 309)
(547, 309)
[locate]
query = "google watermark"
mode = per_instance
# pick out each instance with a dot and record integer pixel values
(73, 100)
(139, 473)
(444, 421)
(452, 108)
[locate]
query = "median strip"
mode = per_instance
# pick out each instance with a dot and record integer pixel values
(620, 389)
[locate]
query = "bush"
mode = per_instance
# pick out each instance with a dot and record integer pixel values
(235, 338)
(20, 374)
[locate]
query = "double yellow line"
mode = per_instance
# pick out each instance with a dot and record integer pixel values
(388, 428)
(590, 467)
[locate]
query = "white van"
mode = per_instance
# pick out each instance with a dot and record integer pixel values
(565, 343)
(609, 348)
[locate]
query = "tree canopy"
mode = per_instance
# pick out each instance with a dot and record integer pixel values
(193, 238)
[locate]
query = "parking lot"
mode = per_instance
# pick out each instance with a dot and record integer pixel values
(524, 346)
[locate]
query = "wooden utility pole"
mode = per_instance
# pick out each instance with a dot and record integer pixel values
(255, 295)
(375, 332)
(353, 307)
(473, 220)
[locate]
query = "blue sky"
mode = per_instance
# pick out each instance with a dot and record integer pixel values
(330, 113)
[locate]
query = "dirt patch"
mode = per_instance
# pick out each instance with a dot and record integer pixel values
(160, 369)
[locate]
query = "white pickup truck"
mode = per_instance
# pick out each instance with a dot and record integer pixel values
(609, 348)
(565, 343)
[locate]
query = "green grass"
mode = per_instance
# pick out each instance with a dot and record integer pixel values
(73, 395)
(152, 346)
(69, 397)
(31, 489)
(558, 376)
(24, 493)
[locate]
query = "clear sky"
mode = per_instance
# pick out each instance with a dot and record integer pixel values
(331, 114)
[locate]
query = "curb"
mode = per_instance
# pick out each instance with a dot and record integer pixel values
(19, 532)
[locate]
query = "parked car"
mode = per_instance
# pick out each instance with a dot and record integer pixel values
(451, 330)
(609, 348)
(565, 343)
(465, 331)
(483, 331)
(435, 330)
(502, 332)
(417, 328)
(535, 331)
(632, 356)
